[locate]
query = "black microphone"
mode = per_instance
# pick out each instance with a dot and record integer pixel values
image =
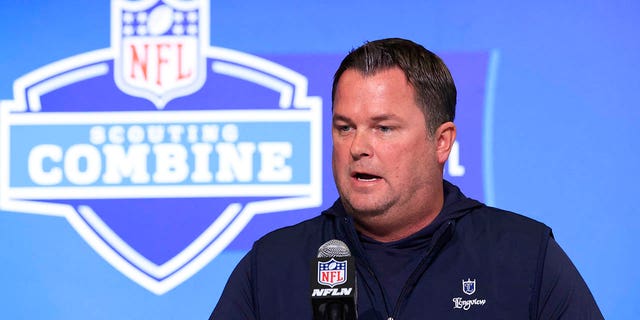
(333, 283)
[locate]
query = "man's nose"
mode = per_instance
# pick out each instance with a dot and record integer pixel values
(361, 145)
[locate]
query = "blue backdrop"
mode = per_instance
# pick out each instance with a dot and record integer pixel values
(563, 116)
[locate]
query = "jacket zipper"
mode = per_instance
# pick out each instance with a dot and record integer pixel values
(352, 235)
(441, 237)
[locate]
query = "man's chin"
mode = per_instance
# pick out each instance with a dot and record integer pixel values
(363, 208)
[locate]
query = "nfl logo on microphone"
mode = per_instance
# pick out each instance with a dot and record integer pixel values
(332, 273)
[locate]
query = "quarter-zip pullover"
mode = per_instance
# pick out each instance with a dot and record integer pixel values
(471, 262)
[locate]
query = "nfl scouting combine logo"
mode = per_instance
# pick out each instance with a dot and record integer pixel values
(160, 149)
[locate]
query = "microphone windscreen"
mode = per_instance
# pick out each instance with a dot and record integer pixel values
(333, 248)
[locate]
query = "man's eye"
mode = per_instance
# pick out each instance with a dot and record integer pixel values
(344, 128)
(384, 129)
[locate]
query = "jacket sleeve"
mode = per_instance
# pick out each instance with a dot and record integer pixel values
(236, 302)
(563, 293)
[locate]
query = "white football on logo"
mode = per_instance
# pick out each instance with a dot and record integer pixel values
(160, 20)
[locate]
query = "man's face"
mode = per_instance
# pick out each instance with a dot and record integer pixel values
(383, 157)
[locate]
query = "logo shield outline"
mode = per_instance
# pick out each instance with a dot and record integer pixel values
(292, 88)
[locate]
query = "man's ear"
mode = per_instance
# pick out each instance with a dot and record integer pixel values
(445, 135)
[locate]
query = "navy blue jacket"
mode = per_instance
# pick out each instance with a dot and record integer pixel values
(513, 266)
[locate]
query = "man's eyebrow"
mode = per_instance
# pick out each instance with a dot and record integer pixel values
(378, 118)
(339, 117)
(382, 117)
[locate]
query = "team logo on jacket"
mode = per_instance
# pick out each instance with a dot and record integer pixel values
(160, 149)
(332, 273)
(469, 286)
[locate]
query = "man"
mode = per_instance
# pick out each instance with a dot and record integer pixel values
(422, 249)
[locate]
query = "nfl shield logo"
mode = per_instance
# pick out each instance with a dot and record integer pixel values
(332, 273)
(469, 286)
(158, 47)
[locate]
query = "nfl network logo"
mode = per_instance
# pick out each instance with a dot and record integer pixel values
(332, 273)
(469, 286)
(144, 151)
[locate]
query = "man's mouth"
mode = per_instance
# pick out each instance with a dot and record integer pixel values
(365, 177)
